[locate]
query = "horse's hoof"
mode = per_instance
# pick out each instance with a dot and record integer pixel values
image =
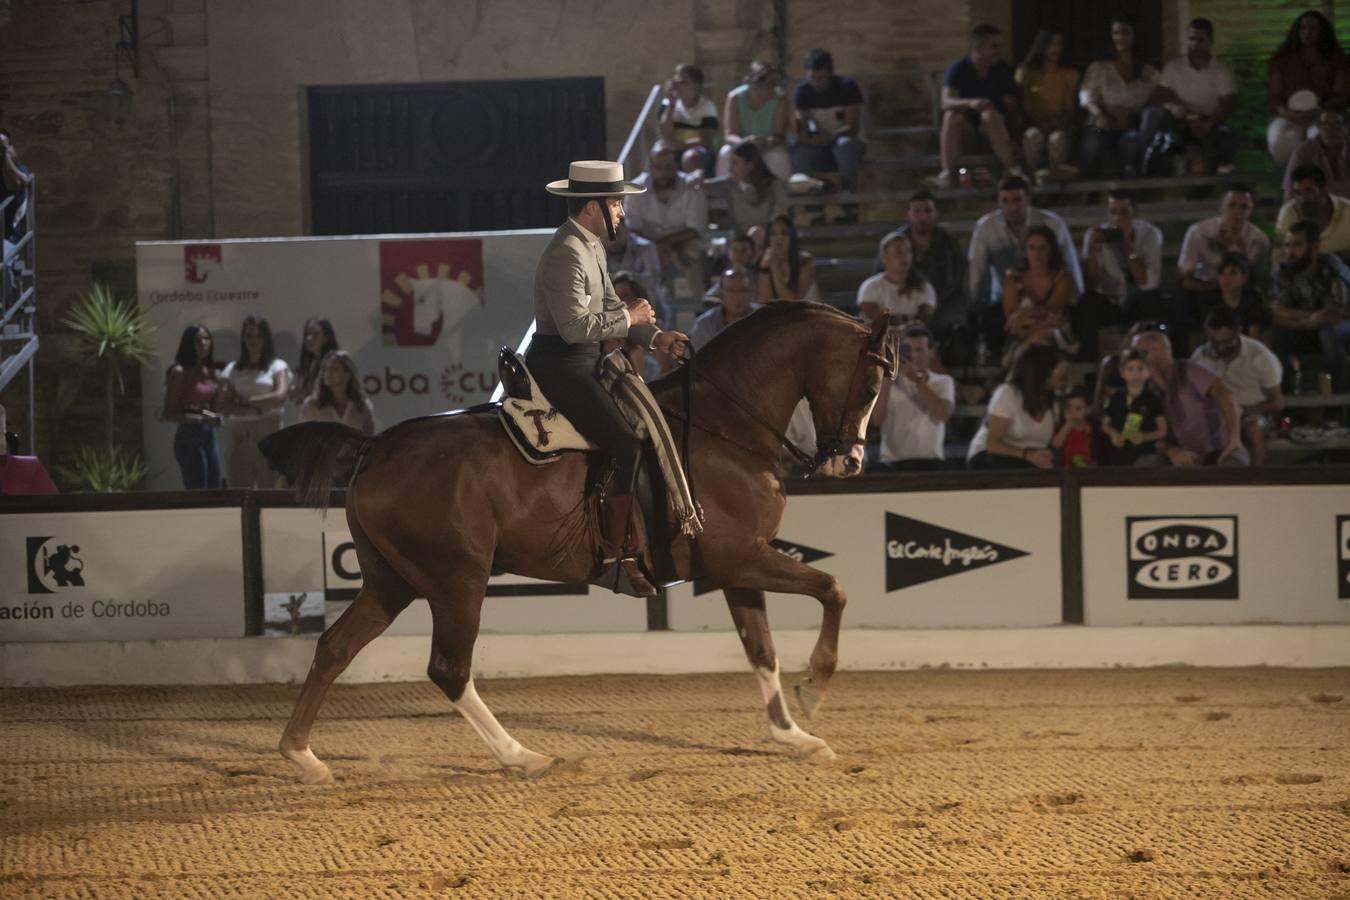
(535, 765)
(312, 769)
(822, 754)
(809, 697)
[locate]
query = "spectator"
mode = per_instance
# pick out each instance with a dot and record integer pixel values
(786, 271)
(673, 216)
(1048, 104)
(996, 245)
(338, 396)
(1194, 99)
(1037, 294)
(740, 255)
(1201, 416)
(1075, 436)
(1122, 268)
(754, 195)
(317, 340)
(13, 183)
(1203, 249)
(1311, 293)
(1134, 420)
(191, 387)
(1017, 430)
(736, 301)
(1329, 151)
(257, 385)
(1308, 73)
(688, 119)
(938, 257)
(1109, 381)
(828, 110)
(1114, 94)
(1312, 203)
(900, 288)
(648, 364)
(756, 111)
(979, 93)
(21, 475)
(913, 409)
(1249, 369)
(633, 253)
(1241, 296)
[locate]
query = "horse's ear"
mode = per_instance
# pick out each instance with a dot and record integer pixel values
(879, 327)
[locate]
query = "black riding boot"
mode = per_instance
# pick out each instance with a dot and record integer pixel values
(619, 548)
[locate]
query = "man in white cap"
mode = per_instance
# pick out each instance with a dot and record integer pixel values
(575, 308)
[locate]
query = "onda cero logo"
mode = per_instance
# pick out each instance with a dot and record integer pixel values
(1191, 558)
(53, 566)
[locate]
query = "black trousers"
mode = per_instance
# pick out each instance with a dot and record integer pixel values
(566, 374)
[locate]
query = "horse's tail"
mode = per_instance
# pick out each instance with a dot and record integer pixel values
(312, 455)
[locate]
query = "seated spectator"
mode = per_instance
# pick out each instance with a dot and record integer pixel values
(786, 271)
(674, 216)
(913, 409)
(317, 340)
(338, 396)
(740, 255)
(979, 93)
(1037, 294)
(21, 475)
(1076, 435)
(828, 111)
(1312, 290)
(257, 384)
(736, 300)
(1109, 381)
(1048, 103)
(688, 119)
(899, 288)
(633, 253)
(754, 195)
(1134, 420)
(1241, 296)
(1309, 72)
(1020, 424)
(939, 258)
(1202, 422)
(1312, 203)
(1122, 268)
(1249, 369)
(1114, 94)
(996, 245)
(191, 387)
(756, 111)
(1329, 151)
(648, 363)
(1194, 99)
(1204, 247)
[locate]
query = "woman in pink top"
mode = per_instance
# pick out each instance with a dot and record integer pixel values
(338, 396)
(191, 386)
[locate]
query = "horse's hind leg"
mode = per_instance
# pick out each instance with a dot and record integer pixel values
(752, 624)
(382, 597)
(455, 613)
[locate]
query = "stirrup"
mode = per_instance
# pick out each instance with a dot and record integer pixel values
(626, 577)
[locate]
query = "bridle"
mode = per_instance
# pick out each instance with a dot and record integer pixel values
(842, 444)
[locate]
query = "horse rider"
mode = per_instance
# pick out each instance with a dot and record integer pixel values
(575, 308)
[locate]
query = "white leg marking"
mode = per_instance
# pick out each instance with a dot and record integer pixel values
(507, 749)
(312, 769)
(781, 726)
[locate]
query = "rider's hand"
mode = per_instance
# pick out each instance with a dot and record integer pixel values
(673, 342)
(640, 313)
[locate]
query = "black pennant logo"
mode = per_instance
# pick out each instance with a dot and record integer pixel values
(917, 552)
(800, 552)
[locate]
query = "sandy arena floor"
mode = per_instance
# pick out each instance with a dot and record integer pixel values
(1159, 783)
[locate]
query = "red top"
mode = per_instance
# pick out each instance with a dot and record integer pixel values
(24, 475)
(1078, 447)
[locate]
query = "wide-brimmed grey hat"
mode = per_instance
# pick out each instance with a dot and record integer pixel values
(594, 178)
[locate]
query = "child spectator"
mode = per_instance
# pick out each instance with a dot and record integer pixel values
(1134, 420)
(338, 396)
(1074, 438)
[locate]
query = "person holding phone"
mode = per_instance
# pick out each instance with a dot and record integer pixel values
(1122, 269)
(914, 408)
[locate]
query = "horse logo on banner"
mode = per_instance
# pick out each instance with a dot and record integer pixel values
(427, 287)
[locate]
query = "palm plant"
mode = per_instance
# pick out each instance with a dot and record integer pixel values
(110, 471)
(114, 331)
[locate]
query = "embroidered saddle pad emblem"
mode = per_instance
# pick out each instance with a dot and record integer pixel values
(538, 430)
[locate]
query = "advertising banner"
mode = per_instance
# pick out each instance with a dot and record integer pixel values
(136, 575)
(423, 316)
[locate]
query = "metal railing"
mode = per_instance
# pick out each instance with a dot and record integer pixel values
(18, 301)
(639, 138)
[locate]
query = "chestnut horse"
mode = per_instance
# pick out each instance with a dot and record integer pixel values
(438, 504)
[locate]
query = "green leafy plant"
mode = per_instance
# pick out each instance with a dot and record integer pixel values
(105, 470)
(114, 331)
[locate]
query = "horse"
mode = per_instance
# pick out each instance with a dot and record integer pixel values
(438, 504)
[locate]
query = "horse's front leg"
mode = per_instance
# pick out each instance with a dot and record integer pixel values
(770, 570)
(752, 624)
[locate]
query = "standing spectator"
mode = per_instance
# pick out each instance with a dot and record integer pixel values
(1241, 296)
(913, 409)
(317, 340)
(1194, 99)
(191, 386)
(756, 111)
(1329, 151)
(736, 300)
(1048, 104)
(1037, 294)
(1312, 291)
(633, 253)
(938, 257)
(1249, 369)
(786, 271)
(1020, 424)
(673, 216)
(1204, 247)
(258, 383)
(899, 288)
(1312, 203)
(338, 396)
(1202, 423)
(13, 183)
(688, 119)
(1075, 436)
(754, 195)
(1308, 73)
(996, 245)
(828, 110)
(979, 93)
(1122, 268)
(1134, 420)
(740, 255)
(1114, 94)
